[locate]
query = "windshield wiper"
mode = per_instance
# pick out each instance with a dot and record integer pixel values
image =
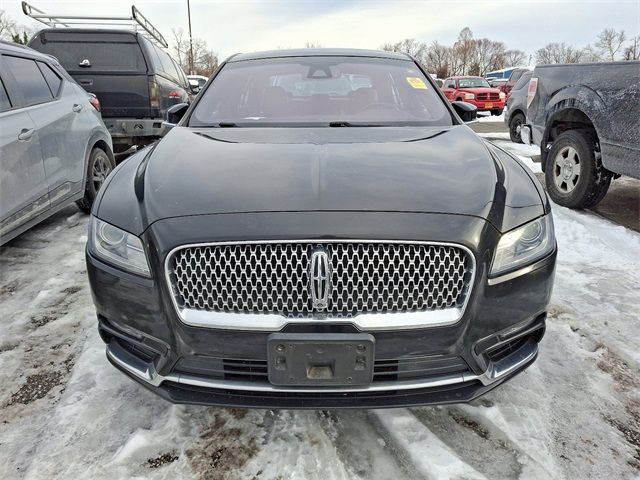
(342, 123)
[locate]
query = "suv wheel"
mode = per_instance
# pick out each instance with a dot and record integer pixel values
(497, 112)
(100, 166)
(515, 125)
(574, 173)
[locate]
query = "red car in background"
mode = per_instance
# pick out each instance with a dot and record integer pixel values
(477, 91)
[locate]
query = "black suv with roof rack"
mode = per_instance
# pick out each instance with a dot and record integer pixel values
(133, 77)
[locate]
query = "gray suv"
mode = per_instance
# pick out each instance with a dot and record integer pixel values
(54, 147)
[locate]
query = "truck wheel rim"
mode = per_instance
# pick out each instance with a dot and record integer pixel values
(516, 127)
(566, 171)
(101, 169)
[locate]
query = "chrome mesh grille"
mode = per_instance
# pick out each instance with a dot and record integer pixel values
(366, 277)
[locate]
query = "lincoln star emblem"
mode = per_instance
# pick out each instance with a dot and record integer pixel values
(320, 279)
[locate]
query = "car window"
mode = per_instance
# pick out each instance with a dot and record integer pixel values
(515, 76)
(473, 82)
(450, 84)
(182, 78)
(30, 82)
(167, 64)
(5, 103)
(95, 52)
(51, 77)
(320, 90)
(523, 81)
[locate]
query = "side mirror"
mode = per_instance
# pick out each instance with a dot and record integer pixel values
(466, 111)
(174, 115)
(194, 89)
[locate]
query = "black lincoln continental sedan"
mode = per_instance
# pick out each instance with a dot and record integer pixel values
(320, 229)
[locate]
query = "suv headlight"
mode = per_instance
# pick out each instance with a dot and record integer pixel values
(469, 96)
(524, 245)
(117, 247)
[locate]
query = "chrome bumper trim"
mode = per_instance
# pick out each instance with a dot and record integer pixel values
(368, 321)
(147, 373)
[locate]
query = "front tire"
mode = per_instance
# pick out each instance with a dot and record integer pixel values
(515, 125)
(99, 167)
(574, 173)
(497, 113)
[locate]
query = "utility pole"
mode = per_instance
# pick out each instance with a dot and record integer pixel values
(191, 72)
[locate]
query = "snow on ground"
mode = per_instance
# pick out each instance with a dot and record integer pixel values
(487, 117)
(66, 413)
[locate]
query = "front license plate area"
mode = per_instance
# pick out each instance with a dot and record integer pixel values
(488, 105)
(310, 359)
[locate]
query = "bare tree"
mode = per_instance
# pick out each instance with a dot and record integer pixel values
(632, 52)
(558, 53)
(312, 45)
(610, 42)
(12, 31)
(205, 61)
(488, 55)
(7, 26)
(463, 52)
(438, 59)
(514, 58)
(411, 46)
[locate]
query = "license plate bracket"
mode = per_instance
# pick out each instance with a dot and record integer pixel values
(488, 105)
(311, 359)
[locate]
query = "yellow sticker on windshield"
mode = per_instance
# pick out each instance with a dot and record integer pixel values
(416, 82)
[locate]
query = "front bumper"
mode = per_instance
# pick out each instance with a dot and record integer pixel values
(184, 363)
(484, 106)
(193, 389)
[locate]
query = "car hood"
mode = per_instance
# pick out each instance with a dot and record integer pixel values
(481, 90)
(447, 170)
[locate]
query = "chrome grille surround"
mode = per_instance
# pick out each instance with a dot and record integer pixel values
(376, 284)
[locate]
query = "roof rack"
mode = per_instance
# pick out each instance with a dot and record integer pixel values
(136, 21)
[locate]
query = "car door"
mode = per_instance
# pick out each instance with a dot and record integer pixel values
(449, 88)
(23, 185)
(63, 134)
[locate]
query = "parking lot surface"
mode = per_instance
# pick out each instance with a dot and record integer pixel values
(66, 413)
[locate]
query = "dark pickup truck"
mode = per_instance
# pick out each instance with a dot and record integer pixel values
(586, 120)
(135, 80)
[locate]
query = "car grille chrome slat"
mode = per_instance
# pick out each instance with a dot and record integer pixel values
(364, 277)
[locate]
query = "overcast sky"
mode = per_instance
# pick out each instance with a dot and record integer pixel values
(243, 26)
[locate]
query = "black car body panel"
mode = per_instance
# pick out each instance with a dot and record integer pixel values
(437, 185)
(607, 94)
(305, 169)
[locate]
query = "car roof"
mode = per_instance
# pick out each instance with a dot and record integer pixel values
(318, 52)
(10, 47)
(457, 77)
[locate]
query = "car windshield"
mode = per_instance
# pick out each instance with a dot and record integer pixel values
(320, 91)
(473, 82)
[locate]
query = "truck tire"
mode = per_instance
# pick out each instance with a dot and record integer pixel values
(497, 112)
(574, 173)
(515, 125)
(99, 167)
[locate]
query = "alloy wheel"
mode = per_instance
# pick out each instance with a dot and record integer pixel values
(100, 171)
(566, 171)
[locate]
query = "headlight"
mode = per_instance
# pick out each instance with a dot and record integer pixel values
(524, 245)
(117, 247)
(502, 96)
(469, 96)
